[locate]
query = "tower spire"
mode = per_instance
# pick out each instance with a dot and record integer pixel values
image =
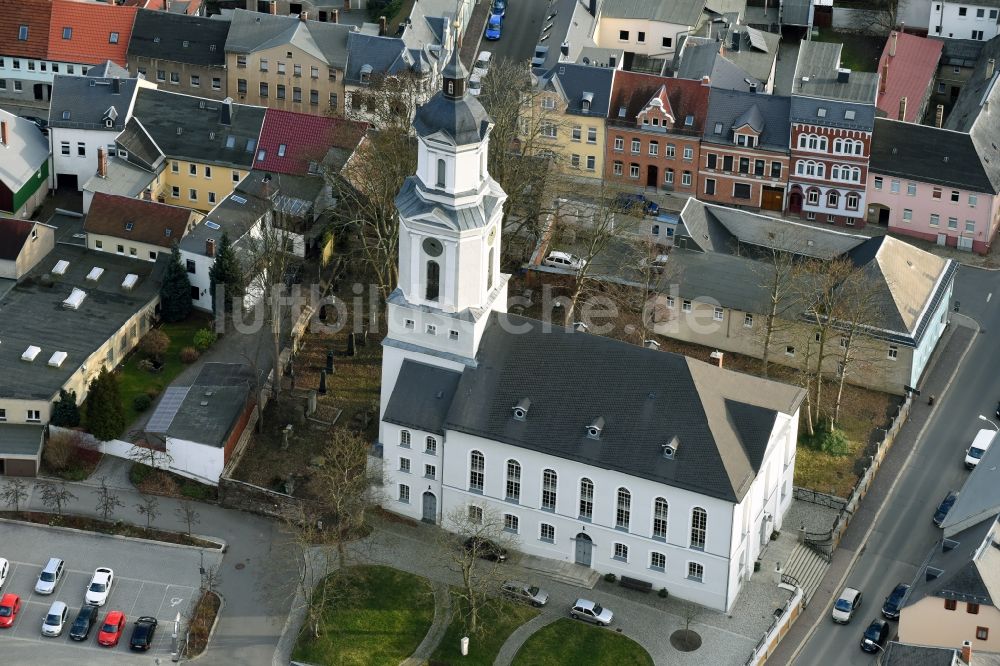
(455, 75)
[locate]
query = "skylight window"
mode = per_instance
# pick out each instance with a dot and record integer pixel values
(281, 150)
(57, 359)
(213, 225)
(30, 353)
(238, 199)
(821, 112)
(251, 143)
(129, 226)
(95, 273)
(718, 128)
(230, 141)
(688, 121)
(130, 280)
(67, 33)
(113, 38)
(65, 115)
(261, 154)
(849, 114)
(74, 300)
(22, 33)
(621, 111)
(60, 267)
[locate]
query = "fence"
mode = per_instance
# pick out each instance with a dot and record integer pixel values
(245, 496)
(779, 626)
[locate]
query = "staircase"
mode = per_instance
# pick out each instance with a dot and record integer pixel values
(564, 572)
(808, 568)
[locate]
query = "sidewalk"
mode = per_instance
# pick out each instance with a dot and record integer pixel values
(947, 362)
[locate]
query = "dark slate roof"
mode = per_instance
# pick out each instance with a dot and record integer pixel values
(383, 55)
(33, 314)
(928, 154)
(681, 12)
(108, 69)
(191, 128)
(733, 109)
(254, 31)
(421, 397)
(904, 654)
(806, 110)
(140, 146)
(464, 121)
(976, 111)
(960, 52)
(816, 75)
(980, 496)
(796, 12)
(213, 404)
(13, 234)
(412, 206)
(961, 575)
(576, 82)
(646, 399)
(179, 38)
(87, 99)
(20, 439)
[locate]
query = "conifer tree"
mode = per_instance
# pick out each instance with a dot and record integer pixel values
(175, 291)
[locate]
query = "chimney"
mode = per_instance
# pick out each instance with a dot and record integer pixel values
(303, 16)
(939, 116)
(102, 163)
(3, 132)
(735, 42)
(966, 652)
(753, 87)
(335, 16)
(593, 8)
(272, 7)
(209, 247)
(706, 80)
(892, 44)
(991, 65)
(902, 109)
(381, 26)
(564, 49)
(717, 357)
(843, 75)
(226, 112)
(884, 78)
(116, 86)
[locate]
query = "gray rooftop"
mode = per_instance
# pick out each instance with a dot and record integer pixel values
(142, 150)
(463, 121)
(832, 113)
(928, 154)
(976, 111)
(33, 314)
(254, 31)
(193, 40)
(731, 109)
(108, 69)
(904, 654)
(644, 399)
(25, 152)
(83, 102)
(213, 404)
(964, 567)
(421, 397)
(123, 178)
(378, 55)
(234, 216)
(577, 83)
(598, 57)
(679, 12)
(816, 75)
(757, 52)
(980, 496)
(700, 58)
(796, 12)
(20, 439)
(573, 24)
(192, 128)
(960, 52)
(412, 206)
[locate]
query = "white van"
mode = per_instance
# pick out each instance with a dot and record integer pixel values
(979, 447)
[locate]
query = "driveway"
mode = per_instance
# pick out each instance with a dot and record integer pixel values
(150, 579)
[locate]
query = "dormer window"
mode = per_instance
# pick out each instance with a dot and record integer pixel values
(656, 122)
(689, 121)
(366, 73)
(521, 409)
(595, 428)
(670, 448)
(718, 128)
(621, 112)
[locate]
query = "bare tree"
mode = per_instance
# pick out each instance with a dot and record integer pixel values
(107, 500)
(145, 453)
(860, 315)
(14, 493)
(777, 276)
(148, 506)
(470, 545)
(188, 515)
(880, 17)
(55, 496)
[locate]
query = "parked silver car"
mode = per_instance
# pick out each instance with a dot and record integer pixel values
(55, 619)
(591, 611)
(49, 578)
(531, 594)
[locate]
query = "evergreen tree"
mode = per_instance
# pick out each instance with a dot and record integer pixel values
(226, 271)
(175, 292)
(105, 413)
(65, 413)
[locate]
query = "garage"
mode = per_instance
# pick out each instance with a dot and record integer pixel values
(20, 449)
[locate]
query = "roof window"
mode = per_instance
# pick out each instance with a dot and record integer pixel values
(95, 273)
(74, 300)
(60, 267)
(67, 33)
(57, 359)
(130, 281)
(821, 112)
(670, 448)
(521, 409)
(30, 353)
(595, 428)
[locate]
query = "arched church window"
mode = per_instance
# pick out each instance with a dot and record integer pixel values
(441, 172)
(433, 280)
(489, 270)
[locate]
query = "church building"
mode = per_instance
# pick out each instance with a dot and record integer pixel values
(597, 452)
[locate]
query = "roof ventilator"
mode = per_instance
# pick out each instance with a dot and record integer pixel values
(670, 448)
(521, 409)
(595, 428)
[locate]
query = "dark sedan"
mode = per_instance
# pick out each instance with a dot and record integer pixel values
(894, 601)
(945, 506)
(485, 549)
(142, 633)
(85, 619)
(875, 636)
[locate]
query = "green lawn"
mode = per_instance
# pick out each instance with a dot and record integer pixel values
(499, 621)
(378, 617)
(860, 53)
(568, 641)
(133, 380)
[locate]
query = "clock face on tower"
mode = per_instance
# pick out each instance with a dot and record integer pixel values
(432, 247)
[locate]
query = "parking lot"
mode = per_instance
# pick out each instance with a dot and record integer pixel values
(150, 579)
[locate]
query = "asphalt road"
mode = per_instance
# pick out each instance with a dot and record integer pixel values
(903, 533)
(522, 27)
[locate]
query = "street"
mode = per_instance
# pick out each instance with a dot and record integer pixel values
(522, 27)
(903, 532)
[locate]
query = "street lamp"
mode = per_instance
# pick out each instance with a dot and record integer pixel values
(983, 418)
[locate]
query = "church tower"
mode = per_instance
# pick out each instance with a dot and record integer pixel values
(449, 237)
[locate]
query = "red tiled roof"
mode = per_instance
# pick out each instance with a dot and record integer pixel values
(110, 214)
(910, 75)
(93, 24)
(35, 14)
(13, 233)
(306, 139)
(633, 91)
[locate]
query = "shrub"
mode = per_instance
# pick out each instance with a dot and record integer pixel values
(204, 338)
(832, 442)
(610, 577)
(155, 344)
(663, 593)
(189, 355)
(141, 402)
(59, 451)
(139, 473)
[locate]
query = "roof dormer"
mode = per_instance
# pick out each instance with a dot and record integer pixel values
(595, 428)
(521, 409)
(657, 114)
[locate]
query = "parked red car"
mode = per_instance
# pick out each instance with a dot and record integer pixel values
(111, 630)
(10, 606)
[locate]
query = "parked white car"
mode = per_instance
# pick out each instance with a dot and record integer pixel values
(848, 602)
(55, 619)
(100, 586)
(980, 445)
(482, 64)
(558, 259)
(49, 578)
(475, 85)
(4, 570)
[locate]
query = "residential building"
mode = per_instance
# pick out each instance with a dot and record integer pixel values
(907, 68)
(77, 311)
(286, 63)
(86, 113)
(570, 30)
(300, 145)
(744, 150)
(968, 19)
(198, 427)
(797, 13)
(23, 243)
(180, 53)
(832, 117)
(646, 27)
(654, 132)
(89, 33)
(573, 101)
(958, 59)
(907, 654)
(933, 184)
(25, 71)
(683, 496)
(135, 227)
(738, 58)
(714, 293)
(24, 166)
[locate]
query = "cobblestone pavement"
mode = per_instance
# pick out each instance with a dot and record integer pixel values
(809, 516)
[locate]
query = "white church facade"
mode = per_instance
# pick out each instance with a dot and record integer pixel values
(622, 459)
